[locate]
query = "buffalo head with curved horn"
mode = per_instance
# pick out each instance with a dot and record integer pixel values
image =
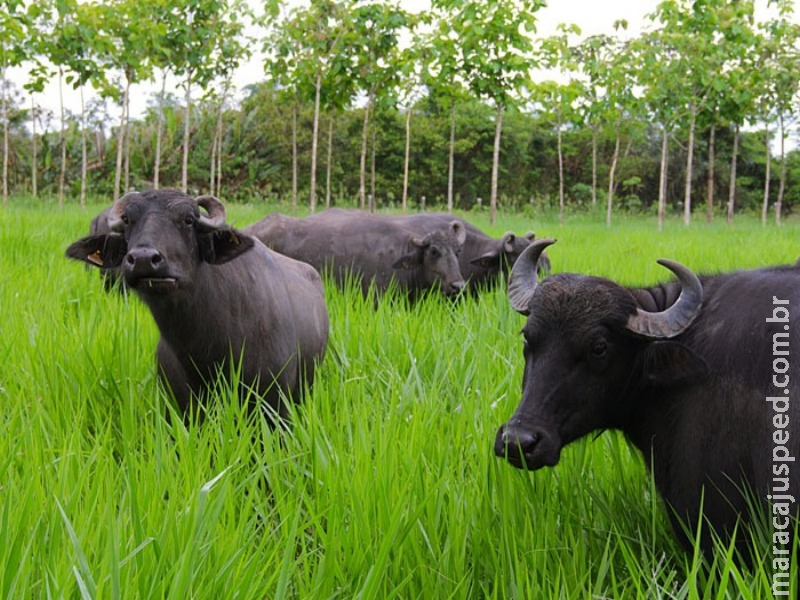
(666, 324)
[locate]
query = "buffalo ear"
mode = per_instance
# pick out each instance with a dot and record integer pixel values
(488, 260)
(106, 250)
(224, 244)
(667, 363)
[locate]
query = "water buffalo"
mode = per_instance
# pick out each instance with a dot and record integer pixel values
(220, 298)
(483, 257)
(111, 275)
(695, 372)
(375, 249)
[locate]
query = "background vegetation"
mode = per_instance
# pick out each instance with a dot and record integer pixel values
(366, 103)
(386, 486)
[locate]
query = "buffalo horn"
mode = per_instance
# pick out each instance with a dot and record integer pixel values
(522, 281)
(215, 210)
(674, 320)
(115, 222)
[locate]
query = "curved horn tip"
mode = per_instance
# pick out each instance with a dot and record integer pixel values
(677, 318)
(214, 208)
(522, 281)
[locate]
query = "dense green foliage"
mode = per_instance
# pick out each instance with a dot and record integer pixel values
(700, 71)
(386, 485)
(258, 158)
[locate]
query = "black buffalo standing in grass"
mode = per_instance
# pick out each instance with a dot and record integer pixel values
(700, 374)
(221, 299)
(374, 249)
(483, 257)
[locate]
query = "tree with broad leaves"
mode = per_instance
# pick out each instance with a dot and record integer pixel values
(742, 77)
(609, 101)
(194, 38)
(779, 63)
(660, 67)
(305, 55)
(559, 100)
(133, 34)
(231, 48)
(496, 56)
(14, 23)
(409, 90)
(692, 30)
(441, 75)
(371, 57)
(83, 49)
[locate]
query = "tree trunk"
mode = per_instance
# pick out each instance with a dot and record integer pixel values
(372, 200)
(314, 137)
(560, 177)
(495, 163)
(710, 177)
(594, 168)
(120, 138)
(128, 136)
(294, 153)
(611, 174)
(406, 159)
(451, 157)
(186, 132)
(62, 139)
(216, 146)
(732, 188)
(328, 165)
(159, 131)
(768, 168)
(4, 103)
(84, 157)
(219, 157)
(362, 182)
(687, 195)
(662, 178)
(782, 183)
(34, 160)
(213, 164)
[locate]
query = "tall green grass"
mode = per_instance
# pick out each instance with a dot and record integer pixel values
(385, 486)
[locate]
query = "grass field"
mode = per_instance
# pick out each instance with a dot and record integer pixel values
(385, 487)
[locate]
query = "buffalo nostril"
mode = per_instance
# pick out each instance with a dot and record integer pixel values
(144, 258)
(520, 440)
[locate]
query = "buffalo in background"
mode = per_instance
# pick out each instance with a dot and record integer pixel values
(221, 299)
(483, 257)
(374, 249)
(696, 373)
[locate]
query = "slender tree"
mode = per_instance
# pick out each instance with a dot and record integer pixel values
(496, 53)
(372, 60)
(779, 64)
(13, 23)
(306, 48)
(441, 65)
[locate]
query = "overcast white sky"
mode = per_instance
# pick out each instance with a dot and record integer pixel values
(592, 16)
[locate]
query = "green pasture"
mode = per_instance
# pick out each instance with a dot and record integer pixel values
(385, 487)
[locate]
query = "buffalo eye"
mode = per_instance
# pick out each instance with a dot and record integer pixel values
(435, 253)
(598, 348)
(124, 218)
(188, 220)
